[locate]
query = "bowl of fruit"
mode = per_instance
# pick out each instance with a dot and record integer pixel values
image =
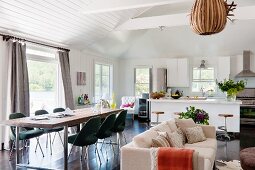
(157, 95)
(176, 95)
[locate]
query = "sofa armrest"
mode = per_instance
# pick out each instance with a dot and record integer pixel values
(209, 131)
(140, 158)
(135, 158)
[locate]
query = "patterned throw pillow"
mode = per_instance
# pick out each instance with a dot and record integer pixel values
(160, 140)
(176, 140)
(183, 136)
(195, 134)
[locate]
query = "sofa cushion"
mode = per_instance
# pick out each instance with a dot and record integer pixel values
(185, 123)
(208, 143)
(195, 134)
(172, 125)
(205, 153)
(175, 140)
(162, 127)
(144, 140)
(161, 140)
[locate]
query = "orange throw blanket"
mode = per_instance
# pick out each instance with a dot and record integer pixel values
(175, 159)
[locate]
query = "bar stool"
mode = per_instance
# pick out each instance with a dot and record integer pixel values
(158, 113)
(225, 134)
(177, 114)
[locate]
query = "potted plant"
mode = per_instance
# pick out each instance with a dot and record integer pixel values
(231, 88)
(198, 115)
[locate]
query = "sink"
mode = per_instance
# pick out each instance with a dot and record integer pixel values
(194, 98)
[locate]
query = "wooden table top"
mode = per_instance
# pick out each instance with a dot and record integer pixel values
(80, 116)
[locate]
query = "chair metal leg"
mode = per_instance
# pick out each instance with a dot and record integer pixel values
(96, 150)
(36, 146)
(106, 154)
(47, 140)
(112, 147)
(40, 145)
(50, 144)
(102, 144)
(118, 139)
(11, 151)
(96, 146)
(54, 137)
(70, 152)
(81, 153)
(124, 137)
(86, 152)
(60, 139)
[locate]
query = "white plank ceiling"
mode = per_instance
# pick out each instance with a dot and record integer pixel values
(96, 24)
(60, 21)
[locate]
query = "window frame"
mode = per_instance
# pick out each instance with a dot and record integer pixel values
(200, 80)
(150, 78)
(59, 92)
(101, 75)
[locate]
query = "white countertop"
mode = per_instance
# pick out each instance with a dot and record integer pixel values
(207, 101)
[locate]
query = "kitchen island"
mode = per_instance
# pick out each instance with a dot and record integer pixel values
(212, 106)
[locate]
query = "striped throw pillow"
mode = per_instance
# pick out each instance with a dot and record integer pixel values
(160, 140)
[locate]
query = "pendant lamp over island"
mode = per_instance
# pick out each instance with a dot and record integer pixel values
(210, 16)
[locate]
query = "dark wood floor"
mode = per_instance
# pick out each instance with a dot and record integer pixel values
(225, 151)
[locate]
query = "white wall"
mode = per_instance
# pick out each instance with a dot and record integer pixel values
(83, 61)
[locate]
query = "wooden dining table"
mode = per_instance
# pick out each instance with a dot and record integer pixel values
(79, 116)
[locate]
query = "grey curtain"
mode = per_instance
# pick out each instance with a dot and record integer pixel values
(19, 78)
(66, 77)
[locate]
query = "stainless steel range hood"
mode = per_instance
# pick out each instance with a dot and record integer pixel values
(246, 72)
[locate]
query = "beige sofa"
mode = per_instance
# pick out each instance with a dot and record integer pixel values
(136, 155)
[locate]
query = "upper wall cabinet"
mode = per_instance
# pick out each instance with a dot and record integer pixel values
(223, 68)
(177, 72)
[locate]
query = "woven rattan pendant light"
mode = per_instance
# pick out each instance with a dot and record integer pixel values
(210, 16)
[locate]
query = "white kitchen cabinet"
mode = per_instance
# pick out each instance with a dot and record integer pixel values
(177, 72)
(223, 68)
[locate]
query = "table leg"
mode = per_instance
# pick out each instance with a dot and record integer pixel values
(17, 145)
(65, 147)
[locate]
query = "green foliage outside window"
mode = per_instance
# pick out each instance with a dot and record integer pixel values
(42, 76)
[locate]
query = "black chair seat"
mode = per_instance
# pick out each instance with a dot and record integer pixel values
(89, 140)
(104, 135)
(119, 128)
(50, 130)
(23, 135)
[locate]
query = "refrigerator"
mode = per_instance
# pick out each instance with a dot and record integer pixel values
(161, 79)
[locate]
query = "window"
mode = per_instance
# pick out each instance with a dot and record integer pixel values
(142, 81)
(203, 78)
(45, 83)
(103, 81)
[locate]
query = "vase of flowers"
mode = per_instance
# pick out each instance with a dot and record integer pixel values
(231, 88)
(198, 115)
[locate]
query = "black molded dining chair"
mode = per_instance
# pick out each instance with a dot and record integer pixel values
(48, 131)
(119, 126)
(25, 133)
(105, 130)
(86, 137)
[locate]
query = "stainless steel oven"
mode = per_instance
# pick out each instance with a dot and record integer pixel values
(247, 108)
(247, 115)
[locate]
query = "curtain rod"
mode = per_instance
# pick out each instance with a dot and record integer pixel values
(7, 37)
